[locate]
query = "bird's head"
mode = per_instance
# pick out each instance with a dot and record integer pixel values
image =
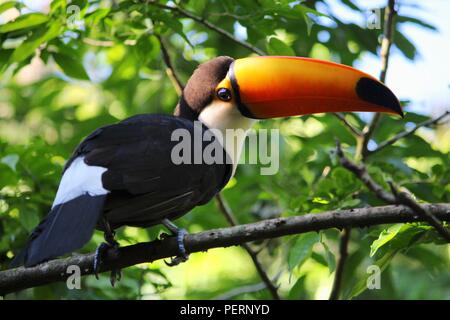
(224, 89)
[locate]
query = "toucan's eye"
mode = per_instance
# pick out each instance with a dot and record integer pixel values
(224, 94)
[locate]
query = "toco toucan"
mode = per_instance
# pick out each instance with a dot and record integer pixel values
(124, 174)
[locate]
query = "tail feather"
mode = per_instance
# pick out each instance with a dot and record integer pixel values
(67, 227)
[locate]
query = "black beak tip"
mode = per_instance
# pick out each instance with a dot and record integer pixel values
(377, 93)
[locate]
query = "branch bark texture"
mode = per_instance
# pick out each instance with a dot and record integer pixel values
(56, 270)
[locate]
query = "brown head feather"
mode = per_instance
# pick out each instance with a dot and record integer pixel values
(200, 89)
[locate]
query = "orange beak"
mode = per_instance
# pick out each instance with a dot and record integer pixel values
(270, 87)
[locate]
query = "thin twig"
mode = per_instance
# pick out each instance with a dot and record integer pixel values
(208, 25)
(241, 290)
(56, 270)
(406, 199)
(356, 132)
(343, 254)
(406, 133)
(386, 43)
(229, 216)
(393, 198)
(98, 43)
(360, 172)
(170, 70)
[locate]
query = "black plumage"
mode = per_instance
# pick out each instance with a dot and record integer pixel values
(145, 185)
(67, 227)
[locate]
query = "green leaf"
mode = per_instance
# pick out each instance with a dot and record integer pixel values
(39, 37)
(351, 5)
(199, 6)
(329, 257)
(177, 26)
(432, 261)
(403, 236)
(8, 5)
(405, 45)
(305, 10)
(11, 161)
(349, 203)
(344, 182)
(147, 48)
(28, 217)
(95, 17)
(24, 21)
(5, 54)
(277, 47)
(56, 4)
(72, 67)
(302, 248)
(386, 236)
(298, 289)
(416, 21)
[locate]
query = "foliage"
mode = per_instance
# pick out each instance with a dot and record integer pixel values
(84, 64)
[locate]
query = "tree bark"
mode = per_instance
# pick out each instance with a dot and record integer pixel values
(56, 270)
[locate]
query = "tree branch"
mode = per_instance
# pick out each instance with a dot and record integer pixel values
(343, 253)
(98, 43)
(56, 270)
(406, 133)
(389, 16)
(229, 216)
(395, 197)
(208, 25)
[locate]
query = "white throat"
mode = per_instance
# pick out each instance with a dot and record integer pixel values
(225, 117)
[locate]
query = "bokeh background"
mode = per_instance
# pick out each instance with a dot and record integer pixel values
(63, 75)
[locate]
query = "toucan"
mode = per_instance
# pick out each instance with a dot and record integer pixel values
(123, 174)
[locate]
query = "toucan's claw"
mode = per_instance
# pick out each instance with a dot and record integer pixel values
(182, 256)
(175, 261)
(99, 255)
(116, 274)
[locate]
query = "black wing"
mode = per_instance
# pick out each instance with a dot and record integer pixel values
(140, 184)
(146, 186)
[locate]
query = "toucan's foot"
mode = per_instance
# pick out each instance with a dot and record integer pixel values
(182, 256)
(116, 274)
(99, 253)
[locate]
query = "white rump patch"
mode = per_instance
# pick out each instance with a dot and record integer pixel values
(79, 179)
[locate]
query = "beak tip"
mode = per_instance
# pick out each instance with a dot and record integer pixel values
(377, 93)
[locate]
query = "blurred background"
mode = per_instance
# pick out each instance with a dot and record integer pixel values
(68, 67)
